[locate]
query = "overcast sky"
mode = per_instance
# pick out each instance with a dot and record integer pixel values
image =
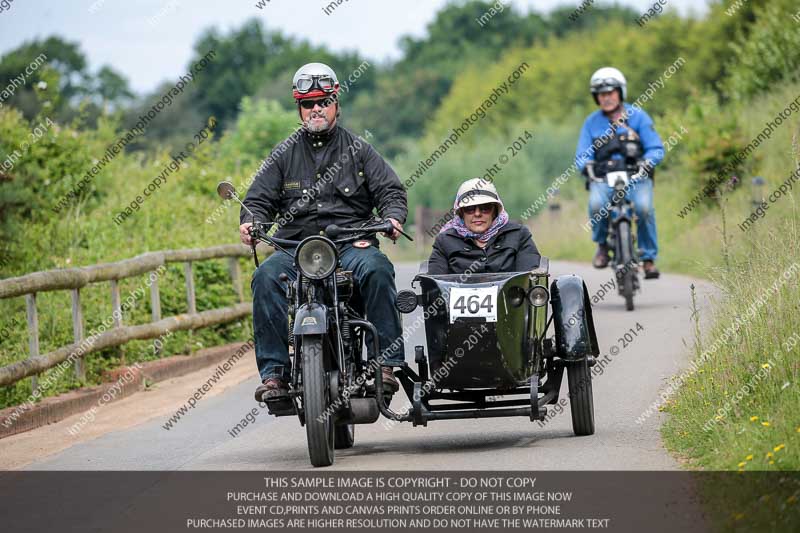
(121, 33)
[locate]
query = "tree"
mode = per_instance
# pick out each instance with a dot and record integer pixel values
(254, 61)
(61, 57)
(111, 87)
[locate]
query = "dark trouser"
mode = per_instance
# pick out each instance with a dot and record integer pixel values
(373, 274)
(641, 194)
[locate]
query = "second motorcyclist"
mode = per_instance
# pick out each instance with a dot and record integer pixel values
(611, 138)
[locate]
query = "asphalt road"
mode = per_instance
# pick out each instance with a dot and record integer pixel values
(630, 384)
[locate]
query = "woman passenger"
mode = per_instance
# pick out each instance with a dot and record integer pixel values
(480, 237)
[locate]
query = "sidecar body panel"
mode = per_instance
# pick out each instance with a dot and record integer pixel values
(491, 351)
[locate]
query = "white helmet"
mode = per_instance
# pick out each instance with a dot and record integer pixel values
(607, 79)
(314, 80)
(477, 191)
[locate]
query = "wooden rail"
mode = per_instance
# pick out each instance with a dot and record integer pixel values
(74, 279)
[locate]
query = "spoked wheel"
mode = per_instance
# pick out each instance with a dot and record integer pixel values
(316, 399)
(626, 257)
(581, 401)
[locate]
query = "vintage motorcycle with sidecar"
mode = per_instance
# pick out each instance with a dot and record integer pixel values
(488, 350)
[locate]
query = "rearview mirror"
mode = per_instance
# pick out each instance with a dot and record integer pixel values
(226, 190)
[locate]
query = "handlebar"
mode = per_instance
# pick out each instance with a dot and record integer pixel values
(334, 232)
(259, 231)
(633, 171)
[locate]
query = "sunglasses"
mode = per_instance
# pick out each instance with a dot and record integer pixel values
(485, 208)
(309, 104)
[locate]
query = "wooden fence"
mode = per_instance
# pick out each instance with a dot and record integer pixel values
(74, 279)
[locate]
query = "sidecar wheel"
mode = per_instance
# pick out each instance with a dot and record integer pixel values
(580, 397)
(316, 393)
(344, 436)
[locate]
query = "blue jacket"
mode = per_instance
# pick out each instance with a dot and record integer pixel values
(597, 124)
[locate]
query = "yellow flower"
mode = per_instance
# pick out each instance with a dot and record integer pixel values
(741, 465)
(765, 365)
(792, 498)
(749, 457)
(772, 462)
(765, 424)
(779, 447)
(769, 455)
(754, 418)
(798, 429)
(738, 516)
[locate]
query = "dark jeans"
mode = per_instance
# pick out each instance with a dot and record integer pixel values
(641, 193)
(373, 274)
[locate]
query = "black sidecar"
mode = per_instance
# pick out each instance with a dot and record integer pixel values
(488, 354)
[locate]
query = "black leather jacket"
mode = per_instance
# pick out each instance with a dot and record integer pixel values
(313, 180)
(511, 250)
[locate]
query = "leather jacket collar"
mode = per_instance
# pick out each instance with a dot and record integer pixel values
(322, 138)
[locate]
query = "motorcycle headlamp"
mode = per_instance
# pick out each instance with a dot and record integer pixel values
(538, 296)
(316, 258)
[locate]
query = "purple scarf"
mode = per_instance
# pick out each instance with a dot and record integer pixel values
(457, 223)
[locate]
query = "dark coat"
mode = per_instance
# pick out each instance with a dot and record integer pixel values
(511, 250)
(313, 180)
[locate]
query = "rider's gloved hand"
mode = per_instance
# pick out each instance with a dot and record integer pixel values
(644, 168)
(244, 233)
(395, 234)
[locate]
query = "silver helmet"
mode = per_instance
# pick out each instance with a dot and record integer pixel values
(314, 80)
(607, 79)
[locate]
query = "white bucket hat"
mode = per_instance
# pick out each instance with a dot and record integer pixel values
(477, 191)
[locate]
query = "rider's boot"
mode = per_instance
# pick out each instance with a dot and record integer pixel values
(390, 383)
(275, 393)
(601, 256)
(650, 270)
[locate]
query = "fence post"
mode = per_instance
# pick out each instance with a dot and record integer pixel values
(190, 297)
(116, 314)
(236, 276)
(155, 307)
(77, 332)
(33, 333)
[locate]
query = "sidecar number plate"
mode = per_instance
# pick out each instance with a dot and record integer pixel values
(477, 302)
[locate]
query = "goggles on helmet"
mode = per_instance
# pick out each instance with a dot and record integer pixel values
(306, 83)
(606, 84)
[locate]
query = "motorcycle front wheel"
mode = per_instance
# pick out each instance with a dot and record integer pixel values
(625, 244)
(316, 402)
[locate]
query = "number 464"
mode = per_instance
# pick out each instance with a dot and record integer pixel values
(471, 304)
